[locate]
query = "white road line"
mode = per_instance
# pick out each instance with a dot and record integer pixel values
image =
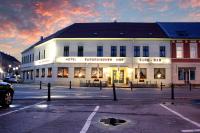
(89, 119)
(181, 116)
(26, 107)
(190, 130)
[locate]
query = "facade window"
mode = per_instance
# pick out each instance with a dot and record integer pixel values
(96, 72)
(136, 51)
(192, 74)
(162, 51)
(27, 75)
(37, 73)
(39, 55)
(79, 72)
(179, 51)
(49, 73)
(140, 73)
(193, 51)
(33, 57)
(122, 51)
(99, 51)
(145, 51)
(159, 73)
(80, 51)
(62, 72)
(30, 57)
(113, 51)
(181, 75)
(44, 54)
(66, 51)
(43, 72)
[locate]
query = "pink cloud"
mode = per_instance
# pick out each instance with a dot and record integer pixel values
(189, 3)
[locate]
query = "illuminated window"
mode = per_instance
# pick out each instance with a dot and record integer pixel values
(37, 73)
(79, 72)
(159, 73)
(179, 51)
(162, 51)
(136, 51)
(80, 51)
(140, 73)
(145, 51)
(49, 74)
(96, 73)
(193, 51)
(43, 72)
(99, 51)
(62, 72)
(66, 51)
(122, 51)
(113, 51)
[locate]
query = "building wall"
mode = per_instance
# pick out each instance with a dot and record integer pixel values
(54, 50)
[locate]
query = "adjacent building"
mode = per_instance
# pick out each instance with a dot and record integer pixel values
(84, 53)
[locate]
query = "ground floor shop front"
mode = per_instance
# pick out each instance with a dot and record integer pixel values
(89, 74)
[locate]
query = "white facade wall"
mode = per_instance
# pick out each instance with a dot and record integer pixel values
(55, 49)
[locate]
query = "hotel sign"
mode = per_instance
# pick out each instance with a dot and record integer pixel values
(90, 60)
(43, 61)
(152, 60)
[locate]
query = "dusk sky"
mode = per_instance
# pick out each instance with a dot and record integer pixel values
(22, 22)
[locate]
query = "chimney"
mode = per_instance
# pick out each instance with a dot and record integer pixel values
(41, 38)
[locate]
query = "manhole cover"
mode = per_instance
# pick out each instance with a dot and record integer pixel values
(112, 121)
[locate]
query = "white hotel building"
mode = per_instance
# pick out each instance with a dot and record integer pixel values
(111, 52)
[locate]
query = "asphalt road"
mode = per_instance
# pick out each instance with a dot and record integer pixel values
(145, 110)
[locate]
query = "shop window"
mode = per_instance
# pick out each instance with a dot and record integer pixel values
(145, 51)
(43, 72)
(99, 51)
(80, 51)
(49, 73)
(179, 51)
(79, 72)
(136, 51)
(113, 51)
(159, 73)
(37, 73)
(122, 51)
(140, 73)
(162, 51)
(62, 72)
(66, 51)
(193, 51)
(97, 72)
(192, 74)
(181, 75)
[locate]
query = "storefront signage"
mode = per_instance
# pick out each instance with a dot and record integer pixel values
(153, 60)
(43, 62)
(90, 60)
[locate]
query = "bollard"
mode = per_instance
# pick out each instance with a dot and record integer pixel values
(100, 85)
(161, 86)
(190, 87)
(49, 92)
(70, 84)
(114, 93)
(40, 85)
(172, 91)
(131, 86)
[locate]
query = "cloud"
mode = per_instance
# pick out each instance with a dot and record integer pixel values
(189, 3)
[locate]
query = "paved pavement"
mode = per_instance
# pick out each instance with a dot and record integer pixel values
(145, 110)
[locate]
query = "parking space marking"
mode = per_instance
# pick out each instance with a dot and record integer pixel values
(89, 119)
(181, 116)
(190, 130)
(26, 107)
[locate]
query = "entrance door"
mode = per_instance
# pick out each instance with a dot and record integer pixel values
(115, 76)
(186, 73)
(121, 76)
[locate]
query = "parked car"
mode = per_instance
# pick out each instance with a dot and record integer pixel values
(6, 94)
(13, 79)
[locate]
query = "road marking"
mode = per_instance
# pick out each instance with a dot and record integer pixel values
(190, 130)
(180, 115)
(26, 107)
(89, 119)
